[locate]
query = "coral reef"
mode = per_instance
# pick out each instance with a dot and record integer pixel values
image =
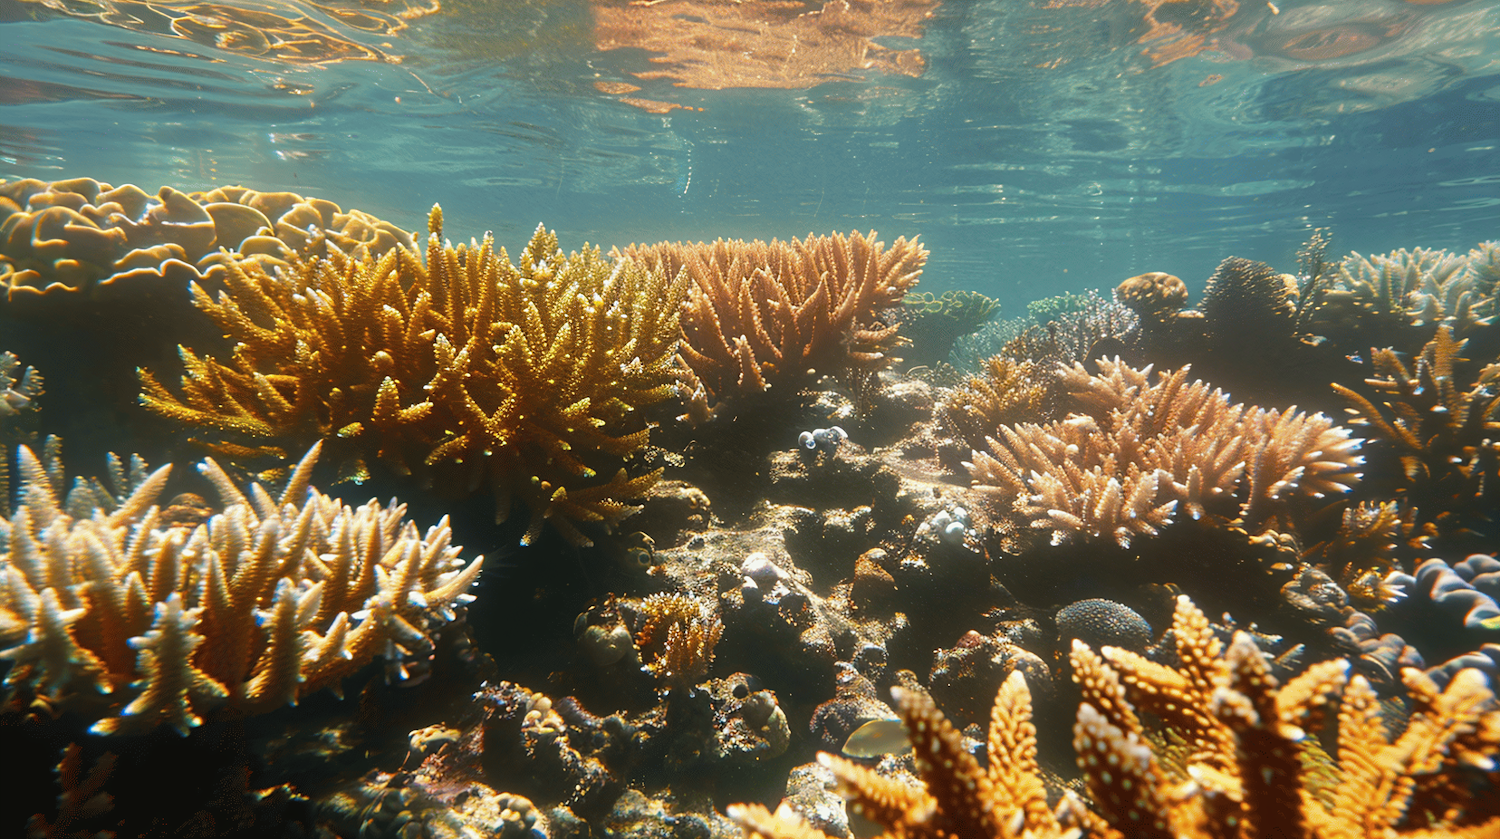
(1006, 392)
(100, 242)
(932, 323)
(763, 315)
(1384, 299)
(17, 393)
(1249, 769)
(1134, 451)
(1442, 426)
(1097, 327)
(524, 379)
(138, 623)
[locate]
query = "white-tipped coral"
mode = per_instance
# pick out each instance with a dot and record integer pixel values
(109, 609)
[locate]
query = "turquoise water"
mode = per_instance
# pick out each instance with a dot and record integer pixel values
(1044, 146)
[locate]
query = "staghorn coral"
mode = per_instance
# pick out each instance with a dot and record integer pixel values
(523, 378)
(760, 315)
(334, 32)
(1375, 298)
(138, 623)
(677, 636)
(1007, 391)
(1249, 768)
(1444, 432)
(17, 394)
(66, 242)
(1135, 451)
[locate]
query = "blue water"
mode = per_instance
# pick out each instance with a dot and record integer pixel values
(1041, 149)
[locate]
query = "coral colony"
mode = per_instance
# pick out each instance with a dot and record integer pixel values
(778, 529)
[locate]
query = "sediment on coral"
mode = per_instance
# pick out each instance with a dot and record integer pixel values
(1248, 767)
(472, 372)
(1136, 452)
(767, 315)
(118, 614)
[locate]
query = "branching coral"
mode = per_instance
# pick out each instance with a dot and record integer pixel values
(1135, 451)
(677, 637)
(121, 616)
(1250, 770)
(525, 378)
(1418, 287)
(760, 315)
(88, 238)
(1007, 391)
(1096, 327)
(17, 393)
(1445, 433)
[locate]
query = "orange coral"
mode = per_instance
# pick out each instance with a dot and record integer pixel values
(1244, 777)
(760, 315)
(1135, 451)
(523, 378)
(96, 240)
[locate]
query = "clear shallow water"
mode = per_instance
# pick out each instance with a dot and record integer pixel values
(1035, 147)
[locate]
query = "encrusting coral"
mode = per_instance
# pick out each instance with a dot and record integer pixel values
(525, 379)
(119, 615)
(1251, 768)
(1135, 451)
(82, 237)
(762, 314)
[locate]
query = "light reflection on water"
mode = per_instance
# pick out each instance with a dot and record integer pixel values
(1035, 147)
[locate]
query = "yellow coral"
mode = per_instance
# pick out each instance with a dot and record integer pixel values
(140, 623)
(523, 378)
(1243, 779)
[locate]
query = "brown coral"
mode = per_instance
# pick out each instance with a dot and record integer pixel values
(1445, 433)
(1136, 451)
(124, 618)
(523, 378)
(760, 315)
(1250, 770)
(1007, 392)
(88, 238)
(1154, 296)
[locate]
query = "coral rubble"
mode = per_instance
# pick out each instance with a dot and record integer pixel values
(524, 379)
(120, 616)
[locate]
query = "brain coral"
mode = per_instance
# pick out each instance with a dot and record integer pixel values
(92, 238)
(464, 368)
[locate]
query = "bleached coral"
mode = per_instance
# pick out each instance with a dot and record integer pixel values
(112, 611)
